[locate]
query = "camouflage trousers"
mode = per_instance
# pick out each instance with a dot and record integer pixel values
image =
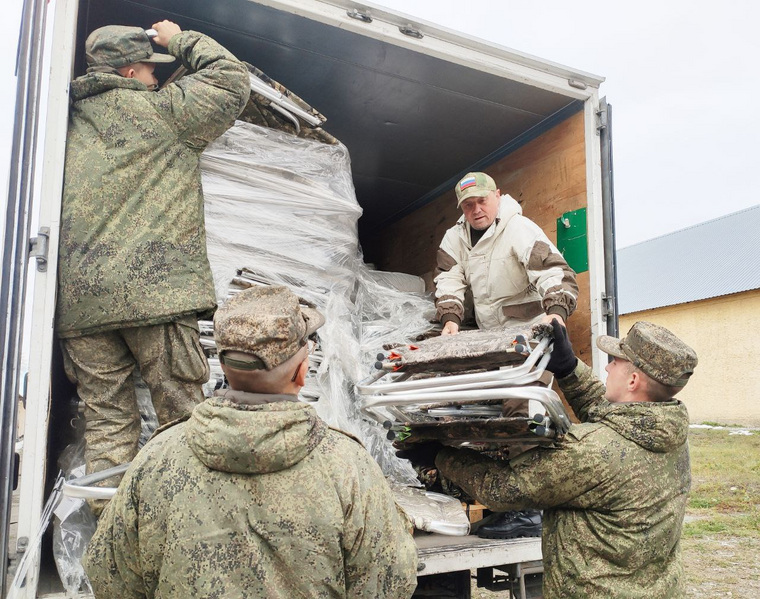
(172, 364)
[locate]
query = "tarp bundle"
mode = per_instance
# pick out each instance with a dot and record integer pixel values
(284, 209)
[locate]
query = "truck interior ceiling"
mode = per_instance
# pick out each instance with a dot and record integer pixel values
(413, 123)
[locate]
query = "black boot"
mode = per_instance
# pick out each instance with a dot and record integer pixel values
(511, 525)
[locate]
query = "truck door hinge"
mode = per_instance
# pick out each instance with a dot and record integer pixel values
(608, 306)
(364, 17)
(601, 119)
(38, 248)
(411, 31)
(577, 83)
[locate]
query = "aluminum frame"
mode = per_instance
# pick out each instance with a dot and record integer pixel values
(82, 488)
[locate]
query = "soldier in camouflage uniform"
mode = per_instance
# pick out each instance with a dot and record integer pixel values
(133, 273)
(614, 490)
(254, 495)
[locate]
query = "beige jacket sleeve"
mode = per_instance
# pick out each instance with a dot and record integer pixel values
(549, 272)
(450, 281)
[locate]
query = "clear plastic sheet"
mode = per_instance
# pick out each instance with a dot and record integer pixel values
(73, 527)
(432, 512)
(284, 209)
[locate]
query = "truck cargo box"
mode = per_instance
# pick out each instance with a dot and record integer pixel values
(417, 106)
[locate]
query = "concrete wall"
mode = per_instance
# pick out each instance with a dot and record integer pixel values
(725, 333)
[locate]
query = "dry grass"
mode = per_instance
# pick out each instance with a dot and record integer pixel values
(721, 536)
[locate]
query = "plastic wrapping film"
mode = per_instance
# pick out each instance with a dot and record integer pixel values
(283, 210)
(74, 524)
(73, 527)
(432, 512)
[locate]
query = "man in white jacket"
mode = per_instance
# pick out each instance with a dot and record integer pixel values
(515, 274)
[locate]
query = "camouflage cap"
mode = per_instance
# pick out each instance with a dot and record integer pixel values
(117, 46)
(655, 351)
(262, 327)
(474, 185)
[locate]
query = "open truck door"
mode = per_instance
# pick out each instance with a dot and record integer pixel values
(36, 178)
(17, 249)
(610, 309)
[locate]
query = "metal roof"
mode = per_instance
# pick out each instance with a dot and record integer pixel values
(711, 259)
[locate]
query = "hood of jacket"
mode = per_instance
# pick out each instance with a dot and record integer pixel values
(93, 84)
(253, 439)
(659, 427)
(507, 209)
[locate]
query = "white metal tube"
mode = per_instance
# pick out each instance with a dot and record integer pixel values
(81, 487)
(546, 397)
(490, 381)
(258, 86)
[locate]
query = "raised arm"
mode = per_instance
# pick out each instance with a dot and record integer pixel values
(582, 390)
(203, 105)
(537, 479)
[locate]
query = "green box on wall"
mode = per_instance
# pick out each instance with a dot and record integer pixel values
(572, 239)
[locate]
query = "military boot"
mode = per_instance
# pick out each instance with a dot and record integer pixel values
(511, 525)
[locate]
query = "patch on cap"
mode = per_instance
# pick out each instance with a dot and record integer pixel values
(467, 182)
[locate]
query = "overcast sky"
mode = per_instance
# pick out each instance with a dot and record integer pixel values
(681, 76)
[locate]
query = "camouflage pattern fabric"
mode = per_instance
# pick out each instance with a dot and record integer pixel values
(613, 491)
(133, 242)
(251, 500)
(114, 46)
(259, 111)
(171, 363)
(655, 351)
(264, 322)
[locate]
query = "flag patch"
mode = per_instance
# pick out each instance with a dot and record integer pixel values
(465, 183)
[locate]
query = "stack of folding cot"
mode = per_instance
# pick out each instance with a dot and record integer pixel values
(488, 389)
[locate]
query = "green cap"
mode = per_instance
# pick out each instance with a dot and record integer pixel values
(655, 351)
(117, 46)
(474, 185)
(262, 327)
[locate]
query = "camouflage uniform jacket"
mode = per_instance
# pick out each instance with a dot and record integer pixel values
(255, 499)
(514, 272)
(613, 491)
(133, 242)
